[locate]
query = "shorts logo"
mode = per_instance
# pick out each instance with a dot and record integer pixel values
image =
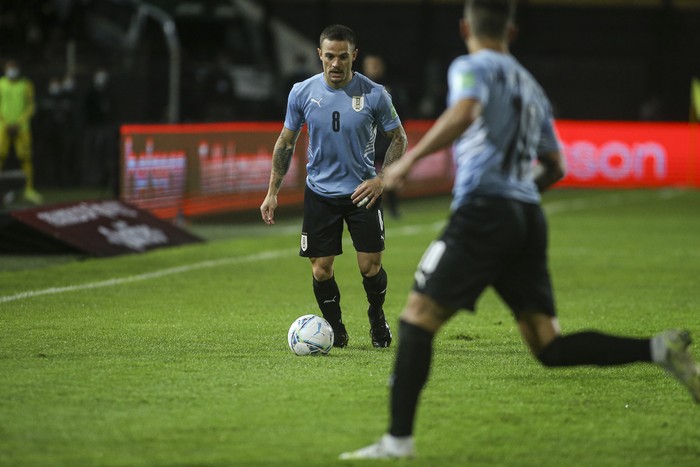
(358, 103)
(304, 242)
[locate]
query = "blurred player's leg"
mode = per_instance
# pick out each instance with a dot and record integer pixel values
(670, 350)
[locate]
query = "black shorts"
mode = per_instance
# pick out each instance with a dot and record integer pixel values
(322, 231)
(490, 242)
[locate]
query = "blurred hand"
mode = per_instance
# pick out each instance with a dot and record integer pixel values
(395, 175)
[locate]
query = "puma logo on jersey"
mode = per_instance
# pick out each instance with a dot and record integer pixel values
(316, 101)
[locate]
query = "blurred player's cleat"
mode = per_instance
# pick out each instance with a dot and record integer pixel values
(380, 334)
(677, 360)
(33, 196)
(340, 337)
(388, 447)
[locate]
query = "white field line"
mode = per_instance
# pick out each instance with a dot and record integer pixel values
(150, 275)
(551, 208)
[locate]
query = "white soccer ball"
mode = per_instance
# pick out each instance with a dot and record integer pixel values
(310, 335)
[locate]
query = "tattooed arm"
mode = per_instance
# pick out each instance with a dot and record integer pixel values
(397, 146)
(369, 191)
(281, 159)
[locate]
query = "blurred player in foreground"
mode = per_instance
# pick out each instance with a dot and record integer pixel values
(342, 111)
(500, 122)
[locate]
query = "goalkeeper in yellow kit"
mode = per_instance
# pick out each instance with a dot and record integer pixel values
(16, 110)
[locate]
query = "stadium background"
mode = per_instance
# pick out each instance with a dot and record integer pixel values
(178, 356)
(198, 61)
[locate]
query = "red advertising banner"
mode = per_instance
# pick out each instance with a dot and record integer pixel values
(630, 154)
(194, 169)
(199, 168)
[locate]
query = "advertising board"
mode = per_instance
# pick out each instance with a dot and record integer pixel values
(196, 169)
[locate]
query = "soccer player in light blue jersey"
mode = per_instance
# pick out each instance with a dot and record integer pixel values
(506, 151)
(342, 111)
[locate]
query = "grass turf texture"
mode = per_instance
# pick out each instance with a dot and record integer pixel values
(190, 366)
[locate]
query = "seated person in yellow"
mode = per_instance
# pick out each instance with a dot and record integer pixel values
(16, 110)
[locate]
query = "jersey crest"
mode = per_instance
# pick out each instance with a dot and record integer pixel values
(358, 103)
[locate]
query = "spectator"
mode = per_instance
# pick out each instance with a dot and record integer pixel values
(49, 132)
(100, 155)
(98, 102)
(67, 156)
(219, 96)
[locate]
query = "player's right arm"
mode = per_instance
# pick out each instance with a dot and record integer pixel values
(448, 127)
(281, 160)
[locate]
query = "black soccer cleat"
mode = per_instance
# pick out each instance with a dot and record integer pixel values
(381, 334)
(340, 337)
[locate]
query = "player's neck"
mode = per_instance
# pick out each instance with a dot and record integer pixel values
(475, 44)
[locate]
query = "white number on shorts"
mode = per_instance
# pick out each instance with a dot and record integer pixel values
(429, 261)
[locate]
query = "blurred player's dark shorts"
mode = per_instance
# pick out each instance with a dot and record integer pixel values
(490, 242)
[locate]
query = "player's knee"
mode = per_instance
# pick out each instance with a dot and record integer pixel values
(369, 263)
(550, 356)
(425, 313)
(370, 269)
(322, 270)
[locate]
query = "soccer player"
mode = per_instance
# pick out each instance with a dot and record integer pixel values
(16, 110)
(342, 110)
(501, 123)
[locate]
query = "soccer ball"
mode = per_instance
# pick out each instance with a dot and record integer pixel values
(310, 335)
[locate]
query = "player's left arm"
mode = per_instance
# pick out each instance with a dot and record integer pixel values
(369, 191)
(449, 126)
(397, 146)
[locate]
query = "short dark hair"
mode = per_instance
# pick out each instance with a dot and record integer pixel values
(338, 32)
(490, 18)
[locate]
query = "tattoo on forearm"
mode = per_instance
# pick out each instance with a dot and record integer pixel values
(282, 159)
(397, 146)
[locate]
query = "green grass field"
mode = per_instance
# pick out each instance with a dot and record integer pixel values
(178, 357)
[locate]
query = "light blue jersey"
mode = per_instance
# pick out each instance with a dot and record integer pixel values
(495, 155)
(342, 125)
